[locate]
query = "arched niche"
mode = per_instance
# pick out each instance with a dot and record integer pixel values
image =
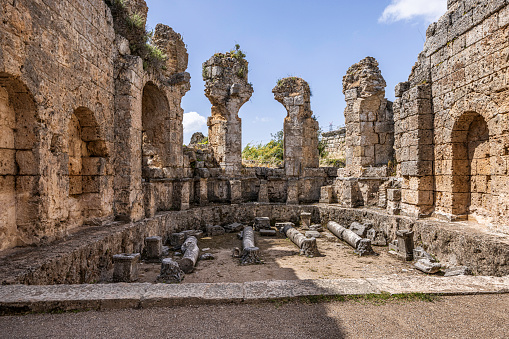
(87, 166)
(156, 131)
(19, 164)
(471, 167)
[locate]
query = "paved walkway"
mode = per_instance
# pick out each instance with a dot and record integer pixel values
(23, 298)
(473, 316)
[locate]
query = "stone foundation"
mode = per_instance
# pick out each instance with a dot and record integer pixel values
(87, 255)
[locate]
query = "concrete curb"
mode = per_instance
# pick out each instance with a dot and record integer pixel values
(15, 299)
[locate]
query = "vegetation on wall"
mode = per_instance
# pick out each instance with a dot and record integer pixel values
(132, 27)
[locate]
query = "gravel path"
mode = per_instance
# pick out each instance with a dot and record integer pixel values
(481, 316)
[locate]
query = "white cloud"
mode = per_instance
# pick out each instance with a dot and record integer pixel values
(429, 10)
(193, 122)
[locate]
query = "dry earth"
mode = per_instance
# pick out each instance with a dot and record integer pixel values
(282, 262)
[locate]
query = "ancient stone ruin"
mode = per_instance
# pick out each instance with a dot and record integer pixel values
(92, 162)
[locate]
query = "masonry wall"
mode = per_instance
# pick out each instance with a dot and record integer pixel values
(464, 64)
(56, 62)
(334, 143)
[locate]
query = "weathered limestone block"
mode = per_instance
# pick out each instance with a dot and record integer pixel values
(170, 272)
(369, 118)
(459, 270)
(359, 229)
(326, 194)
(377, 237)
(125, 267)
(427, 266)
(300, 127)
(191, 254)
(261, 223)
(263, 193)
(173, 46)
(308, 246)
(250, 253)
(292, 194)
(153, 249)
(305, 220)
(405, 244)
(420, 253)
(364, 248)
(236, 191)
(227, 88)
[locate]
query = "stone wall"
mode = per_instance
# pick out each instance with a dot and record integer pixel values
(334, 143)
(85, 257)
(75, 108)
(461, 169)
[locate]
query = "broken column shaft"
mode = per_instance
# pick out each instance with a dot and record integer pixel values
(227, 88)
(300, 128)
(191, 253)
(307, 246)
(362, 246)
(250, 251)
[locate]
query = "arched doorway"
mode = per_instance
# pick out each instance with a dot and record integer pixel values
(19, 164)
(471, 168)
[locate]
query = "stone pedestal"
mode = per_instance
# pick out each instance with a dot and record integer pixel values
(405, 244)
(153, 249)
(262, 223)
(125, 267)
(305, 220)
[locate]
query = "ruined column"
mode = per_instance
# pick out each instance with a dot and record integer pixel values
(308, 246)
(300, 127)
(368, 118)
(250, 251)
(191, 254)
(227, 88)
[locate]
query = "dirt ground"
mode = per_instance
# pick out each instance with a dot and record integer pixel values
(281, 261)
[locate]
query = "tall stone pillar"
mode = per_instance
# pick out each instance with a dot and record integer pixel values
(368, 118)
(300, 128)
(414, 118)
(227, 88)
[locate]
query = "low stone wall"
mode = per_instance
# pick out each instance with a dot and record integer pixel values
(85, 256)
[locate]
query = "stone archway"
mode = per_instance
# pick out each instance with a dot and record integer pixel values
(87, 166)
(19, 164)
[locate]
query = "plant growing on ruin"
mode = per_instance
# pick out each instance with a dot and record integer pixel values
(132, 27)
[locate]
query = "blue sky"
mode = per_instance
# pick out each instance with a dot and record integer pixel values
(316, 40)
